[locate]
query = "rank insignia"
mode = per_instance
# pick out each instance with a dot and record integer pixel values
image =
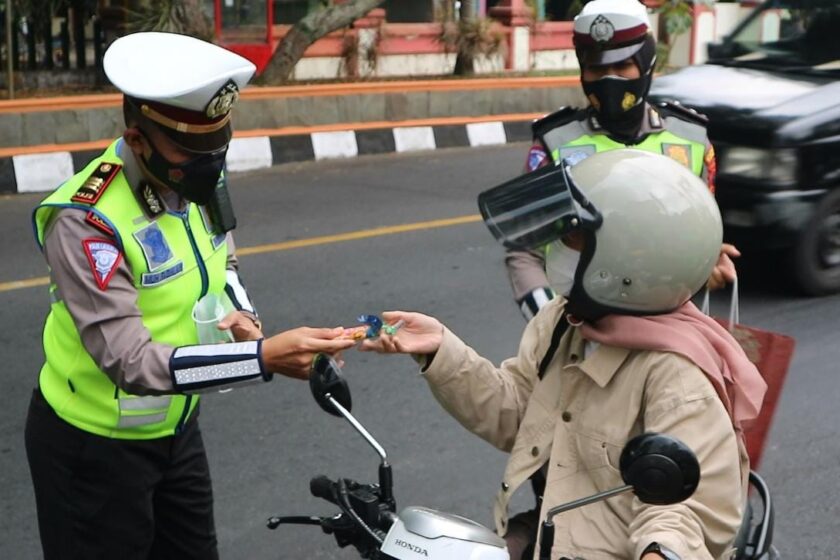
(95, 185)
(152, 202)
(93, 219)
(680, 153)
(104, 257)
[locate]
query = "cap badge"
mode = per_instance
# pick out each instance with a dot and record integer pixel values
(223, 100)
(601, 30)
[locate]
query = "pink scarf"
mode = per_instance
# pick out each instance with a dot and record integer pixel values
(699, 338)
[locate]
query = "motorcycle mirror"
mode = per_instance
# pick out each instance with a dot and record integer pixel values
(661, 469)
(325, 381)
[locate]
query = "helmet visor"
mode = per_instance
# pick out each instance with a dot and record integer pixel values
(536, 208)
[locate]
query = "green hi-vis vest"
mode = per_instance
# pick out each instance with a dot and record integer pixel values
(175, 259)
(686, 144)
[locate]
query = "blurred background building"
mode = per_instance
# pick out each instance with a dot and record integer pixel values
(60, 43)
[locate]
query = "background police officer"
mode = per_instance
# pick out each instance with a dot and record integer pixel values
(617, 55)
(132, 242)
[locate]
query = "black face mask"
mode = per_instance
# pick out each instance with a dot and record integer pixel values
(619, 102)
(194, 180)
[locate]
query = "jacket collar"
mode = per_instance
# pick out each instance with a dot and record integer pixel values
(601, 365)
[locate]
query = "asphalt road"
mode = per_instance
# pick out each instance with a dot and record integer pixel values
(266, 442)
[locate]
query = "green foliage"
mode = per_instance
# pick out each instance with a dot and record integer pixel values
(677, 17)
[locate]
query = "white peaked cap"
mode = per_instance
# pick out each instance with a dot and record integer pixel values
(626, 17)
(175, 70)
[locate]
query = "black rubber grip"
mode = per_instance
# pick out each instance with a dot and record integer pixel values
(322, 487)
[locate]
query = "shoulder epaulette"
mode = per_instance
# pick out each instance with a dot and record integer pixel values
(94, 186)
(559, 117)
(676, 109)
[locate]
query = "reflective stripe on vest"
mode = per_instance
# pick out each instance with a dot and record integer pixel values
(174, 260)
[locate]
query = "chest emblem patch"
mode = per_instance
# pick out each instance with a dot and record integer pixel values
(104, 257)
(680, 153)
(155, 248)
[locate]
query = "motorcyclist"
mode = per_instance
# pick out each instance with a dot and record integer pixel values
(624, 352)
(617, 53)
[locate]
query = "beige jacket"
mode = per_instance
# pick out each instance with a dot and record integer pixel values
(577, 419)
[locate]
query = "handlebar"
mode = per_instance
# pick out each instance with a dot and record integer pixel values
(367, 513)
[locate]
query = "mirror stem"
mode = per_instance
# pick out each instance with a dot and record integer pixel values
(359, 428)
(547, 531)
(586, 501)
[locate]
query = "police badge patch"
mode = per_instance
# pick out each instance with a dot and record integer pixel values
(601, 30)
(223, 100)
(536, 157)
(680, 153)
(155, 248)
(103, 256)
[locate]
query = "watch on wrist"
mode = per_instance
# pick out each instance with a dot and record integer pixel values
(663, 551)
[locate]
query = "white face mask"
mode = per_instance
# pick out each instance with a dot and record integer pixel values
(561, 263)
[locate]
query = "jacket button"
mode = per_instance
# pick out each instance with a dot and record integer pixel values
(505, 486)
(566, 416)
(535, 451)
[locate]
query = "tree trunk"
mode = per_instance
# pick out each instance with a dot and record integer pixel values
(464, 60)
(309, 29)
(194, 21)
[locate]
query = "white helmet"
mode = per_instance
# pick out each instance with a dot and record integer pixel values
(653, 231)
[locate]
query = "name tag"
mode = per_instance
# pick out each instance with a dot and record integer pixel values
(155, 278)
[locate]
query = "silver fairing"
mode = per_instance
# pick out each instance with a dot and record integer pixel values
(432, 524)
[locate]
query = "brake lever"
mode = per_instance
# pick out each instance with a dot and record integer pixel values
(275, 521)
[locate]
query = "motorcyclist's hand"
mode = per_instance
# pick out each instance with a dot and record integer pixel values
(724, 271)
(241, 326)
(291, 352)
(417, 334)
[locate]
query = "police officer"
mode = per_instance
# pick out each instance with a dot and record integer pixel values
(617, 54)
(132, 242)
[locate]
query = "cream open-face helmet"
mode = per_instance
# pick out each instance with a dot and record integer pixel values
(652, 230)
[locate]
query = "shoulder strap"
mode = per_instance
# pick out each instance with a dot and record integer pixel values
(559, 330)
(561, 116)
(676, 109)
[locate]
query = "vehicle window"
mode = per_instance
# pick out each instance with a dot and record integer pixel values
(790, 34)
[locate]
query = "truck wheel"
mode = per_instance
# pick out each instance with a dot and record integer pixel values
(816, 256)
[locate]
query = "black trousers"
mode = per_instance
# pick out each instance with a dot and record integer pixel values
(102, 498)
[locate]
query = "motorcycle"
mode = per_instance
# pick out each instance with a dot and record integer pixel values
(657, 468)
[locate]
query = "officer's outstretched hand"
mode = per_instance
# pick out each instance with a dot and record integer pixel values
(417, 334)
(241, 326)
(724, 271)
(290, 353)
